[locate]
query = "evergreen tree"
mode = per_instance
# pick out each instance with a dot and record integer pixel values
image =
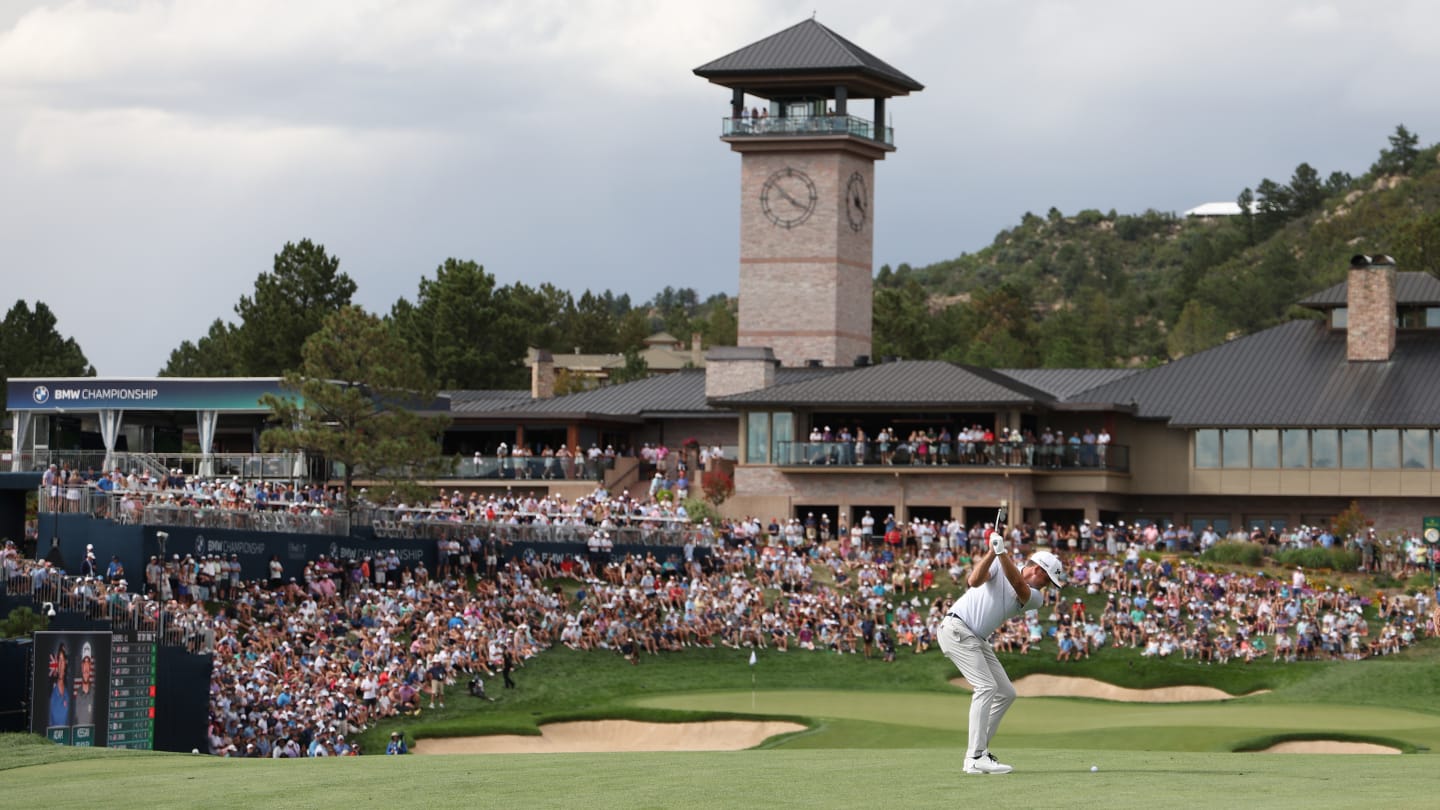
(1306, 193)
(211, 356)
(355, 400)
(1198, 329)
(304, 287)
(32, 346)
(1401, 156)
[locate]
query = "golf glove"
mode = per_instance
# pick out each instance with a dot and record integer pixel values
(997, 542)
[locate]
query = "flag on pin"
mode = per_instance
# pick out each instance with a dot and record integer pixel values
(752, 658)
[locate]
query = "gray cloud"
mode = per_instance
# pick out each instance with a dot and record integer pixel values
(156, 155)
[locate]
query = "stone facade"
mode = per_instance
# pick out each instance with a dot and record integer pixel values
(766, 489)
(1370, 316)
(738, 369)
(542, 375)
(806, 254)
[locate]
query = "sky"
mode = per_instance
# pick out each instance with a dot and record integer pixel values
(156, 154)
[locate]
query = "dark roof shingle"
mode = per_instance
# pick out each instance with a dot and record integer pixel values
(899, 384)
(805, 47)
(1291, 375)
(1411, 288)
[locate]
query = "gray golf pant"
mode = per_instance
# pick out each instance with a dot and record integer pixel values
(993, 691)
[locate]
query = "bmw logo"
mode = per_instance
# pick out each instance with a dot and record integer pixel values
(41, 395)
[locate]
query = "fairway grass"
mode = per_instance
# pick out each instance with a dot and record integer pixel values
(868, 778)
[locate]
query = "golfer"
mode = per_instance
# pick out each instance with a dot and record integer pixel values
(998, 589)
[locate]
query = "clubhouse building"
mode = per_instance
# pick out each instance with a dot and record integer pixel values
(1284, 427)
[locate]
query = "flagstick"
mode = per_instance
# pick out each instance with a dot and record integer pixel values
(752, 680)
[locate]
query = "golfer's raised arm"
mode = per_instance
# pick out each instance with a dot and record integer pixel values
(1012, 573)
(980, 569)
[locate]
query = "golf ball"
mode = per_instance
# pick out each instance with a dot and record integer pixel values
(1094, 768)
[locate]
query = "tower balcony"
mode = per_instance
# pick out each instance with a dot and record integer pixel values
(809, 126)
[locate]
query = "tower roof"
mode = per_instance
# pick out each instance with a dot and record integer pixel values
(807, 55)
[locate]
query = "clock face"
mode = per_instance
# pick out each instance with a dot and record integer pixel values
(857, 202)
(788, 197)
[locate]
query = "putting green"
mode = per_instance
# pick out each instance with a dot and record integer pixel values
(1061, 722)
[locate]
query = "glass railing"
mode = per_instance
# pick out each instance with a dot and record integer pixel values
(806, 126)
(1033, 455)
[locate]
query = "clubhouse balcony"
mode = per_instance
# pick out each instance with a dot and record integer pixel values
(807, 126)
(954, 455)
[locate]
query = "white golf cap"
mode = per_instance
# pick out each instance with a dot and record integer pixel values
(1051, 565)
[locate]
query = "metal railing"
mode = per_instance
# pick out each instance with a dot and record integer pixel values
(1033, 455)
(260, 519)
(146, 508)
(807, 125)
(262, 466)
(98, 600)
(527, 527)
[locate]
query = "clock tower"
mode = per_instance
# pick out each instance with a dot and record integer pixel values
(807, 182)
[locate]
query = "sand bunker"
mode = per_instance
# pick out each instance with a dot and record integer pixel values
(590, 736)
(1065, 686)
(1328, 747)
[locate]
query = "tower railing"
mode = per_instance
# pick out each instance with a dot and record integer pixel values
(806, 126)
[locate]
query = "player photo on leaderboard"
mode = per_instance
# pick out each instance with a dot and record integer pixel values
(70, 688)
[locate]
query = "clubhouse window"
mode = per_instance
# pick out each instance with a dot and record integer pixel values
(1265, 449)
(1385, 449)
(1199, 523)
(1320, 449)
(1419, 318)
(1207, 449)
(1414, 449)
(1354, 449)
(1235, 448)
(1295, 449)
(782, 434)
(1324, 449)
(757, 438)
(1265, 523)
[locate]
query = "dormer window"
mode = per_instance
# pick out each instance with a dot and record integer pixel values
(1420, 317)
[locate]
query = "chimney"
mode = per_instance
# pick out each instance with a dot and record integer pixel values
(542, 375)
(1370, 309)
(697, 352)
(737, 369)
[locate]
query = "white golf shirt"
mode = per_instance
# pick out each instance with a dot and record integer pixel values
(985, 608)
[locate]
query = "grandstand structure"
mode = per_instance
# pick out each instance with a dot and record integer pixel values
(1281, 428)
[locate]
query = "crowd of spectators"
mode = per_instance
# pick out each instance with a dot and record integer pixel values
(302, 666)
(971, 445)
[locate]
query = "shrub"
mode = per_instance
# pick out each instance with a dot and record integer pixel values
(698, 510)
(1246, 554)
(1335, 559)
(718, 486)
(1419, 582)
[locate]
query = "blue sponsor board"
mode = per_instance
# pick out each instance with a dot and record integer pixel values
(50, 395)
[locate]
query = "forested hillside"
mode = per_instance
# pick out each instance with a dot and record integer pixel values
(1103, 289)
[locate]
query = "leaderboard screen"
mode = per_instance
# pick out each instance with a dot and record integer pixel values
(94, 688)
